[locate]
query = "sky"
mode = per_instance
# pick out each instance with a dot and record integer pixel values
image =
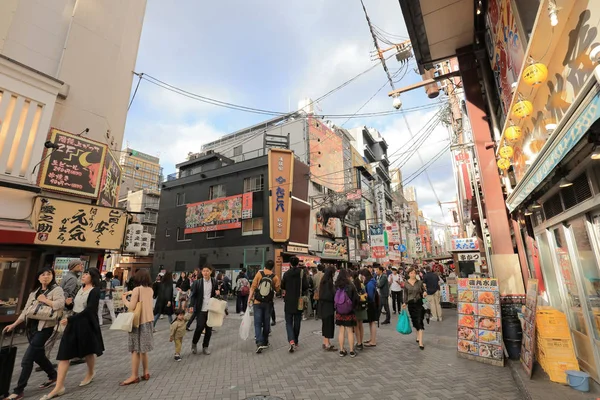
(269, 54)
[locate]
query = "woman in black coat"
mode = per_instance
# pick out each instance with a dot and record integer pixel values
(164, 298)
(326, 308)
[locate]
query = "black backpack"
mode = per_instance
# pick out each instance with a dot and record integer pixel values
(265, 291)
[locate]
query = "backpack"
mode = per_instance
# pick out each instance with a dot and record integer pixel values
(363, 299)
(245, 289)
(342, 302)
(265, 292)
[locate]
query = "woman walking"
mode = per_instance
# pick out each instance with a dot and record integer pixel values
(141, 340)
(326, 308)
(346, 299)
(414, 292)
(82, 337)
(48, 293)
(183, 287)
(164, 298)
(372, 308)
(361, 310)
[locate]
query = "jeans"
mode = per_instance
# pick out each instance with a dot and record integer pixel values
(157, 316)
(397, 301)
(35, 353)
(111, 309)
(385, 305)
(201, 326)
(292, 326)
(262, 326)
(241, 304)
(273, 312)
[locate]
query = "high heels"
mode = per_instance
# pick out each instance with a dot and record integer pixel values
(53, 396)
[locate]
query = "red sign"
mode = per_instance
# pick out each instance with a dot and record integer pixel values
(214, 215)
(247, 205)
(354, 195)
(378, 251)
(463, 156)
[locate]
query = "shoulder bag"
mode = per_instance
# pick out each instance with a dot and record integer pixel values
(302, 300)
(40, 311)
(137, 313)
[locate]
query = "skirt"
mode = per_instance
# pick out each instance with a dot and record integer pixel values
(417, 313)
(141, 339)
(361, 315)
(372, 312)
(345, 319)
(328, 327)
(82, 337)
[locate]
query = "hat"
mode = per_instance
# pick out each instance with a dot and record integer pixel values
(74, 263)
(394, 268)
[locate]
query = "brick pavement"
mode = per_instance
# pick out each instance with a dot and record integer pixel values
(395, 369)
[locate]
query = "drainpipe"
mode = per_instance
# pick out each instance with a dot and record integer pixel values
(62, 55)
(486, 75)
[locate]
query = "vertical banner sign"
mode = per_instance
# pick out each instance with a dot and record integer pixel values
(418, 244)
(380, 203)
(281, 171)
(528, 344)
(377, 240)
(247, 205)
(110, 182)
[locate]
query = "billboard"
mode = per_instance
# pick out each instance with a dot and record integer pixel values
(377, 240)
(336, 249)
(326, 155)
(110, 182)
(214, 215)
(281, 172)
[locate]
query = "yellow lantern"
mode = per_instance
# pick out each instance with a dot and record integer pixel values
(512, 133)
(535, 74)
(506, 151)
(522, 109)
(503, 164)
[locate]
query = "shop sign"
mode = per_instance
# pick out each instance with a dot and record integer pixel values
(75, 167)
(468, 256)
(133, 238)
(309, 261)
(335, 249)
(465, 244)
(418, 244)
(66, 223)
(278, 262)
(354, 195)
(380, 203)
(394, 230)
(376, 234)
(214, 215)
(462, 157)
(528, 343)
(281, 172)
(297, 249)
(247, 205)
(110, 182)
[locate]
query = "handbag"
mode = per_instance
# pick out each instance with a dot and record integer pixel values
(40, 311)
(403, 325)
(137, 313)
(123, 322)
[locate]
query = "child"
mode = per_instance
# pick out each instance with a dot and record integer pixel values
(178, 332)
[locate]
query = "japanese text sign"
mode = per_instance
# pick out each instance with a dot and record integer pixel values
(110, 182)
(247, 205)
(377, 240)
(214, 215)
(66, 223)
(74, 167)
(468, 257)
(281, 171)
(465, 244)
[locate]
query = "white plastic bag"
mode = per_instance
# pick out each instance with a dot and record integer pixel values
(123, 322)
(246, 324)
(426, 304)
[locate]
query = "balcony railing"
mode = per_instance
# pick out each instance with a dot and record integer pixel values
(150, 219)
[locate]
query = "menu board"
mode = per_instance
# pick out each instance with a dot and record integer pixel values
(479, 320)
(528, 345)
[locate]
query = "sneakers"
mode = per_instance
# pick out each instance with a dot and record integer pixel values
(177, 357)
(352, 354)
(359, 346)
(260, 348)
(292, 347)
(194, 349)
(206, 351)
(385, 322)
(343, 353)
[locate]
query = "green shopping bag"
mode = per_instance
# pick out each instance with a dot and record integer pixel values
(403, 325)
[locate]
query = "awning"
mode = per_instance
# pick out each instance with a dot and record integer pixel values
(16, 232)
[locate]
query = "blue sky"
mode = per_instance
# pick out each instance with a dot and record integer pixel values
(269, 54)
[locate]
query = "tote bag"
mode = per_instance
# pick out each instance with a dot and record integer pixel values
(403, 325)
(124, 322)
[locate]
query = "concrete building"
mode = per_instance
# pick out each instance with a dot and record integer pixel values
(65, 64)
(143, 169)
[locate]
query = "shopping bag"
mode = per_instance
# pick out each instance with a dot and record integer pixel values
(8, 356)
(426, 304)
(403, 325)
(124, 322)
(246, 325)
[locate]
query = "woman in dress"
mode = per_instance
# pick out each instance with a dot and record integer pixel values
(361, 309)
(141, 340)
(327, 309)
(38, 331)
(372, 308)
(346, 321)
(82, 337)
(414, 291)
(164, 299)
(183, 287)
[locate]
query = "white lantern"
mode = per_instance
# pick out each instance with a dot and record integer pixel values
(133, 238)
(145, 244)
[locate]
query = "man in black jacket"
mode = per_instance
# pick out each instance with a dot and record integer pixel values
(295, 285)
(384, 292)
(202, 291)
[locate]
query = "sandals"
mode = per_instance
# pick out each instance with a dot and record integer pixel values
(369, 345)
(145, 377)
(53, 396)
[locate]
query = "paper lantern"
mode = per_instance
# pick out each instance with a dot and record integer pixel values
(512, 133)
(522, 109)
(503, 164)
(535, 74)
(506, 151)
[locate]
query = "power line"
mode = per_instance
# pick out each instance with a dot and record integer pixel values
(423, 169)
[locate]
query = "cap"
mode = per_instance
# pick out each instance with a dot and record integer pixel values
(74, 263)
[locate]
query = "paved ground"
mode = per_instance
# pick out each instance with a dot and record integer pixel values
(395, 369)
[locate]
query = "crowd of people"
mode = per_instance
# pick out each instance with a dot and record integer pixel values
(349, 298)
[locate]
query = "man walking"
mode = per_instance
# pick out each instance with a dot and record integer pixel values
(316, 283)
(384, 292)
(106, 297)
(295, 285)
(262, 292)
(202, 291)
(432, 284)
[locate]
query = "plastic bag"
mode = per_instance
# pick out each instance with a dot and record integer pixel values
(246, 324)
(426, 304)
(403, 325)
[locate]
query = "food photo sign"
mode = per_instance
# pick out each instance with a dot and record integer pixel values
(528, 345)
(479, 320)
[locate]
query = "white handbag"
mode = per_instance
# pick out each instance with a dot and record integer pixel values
(123, 322)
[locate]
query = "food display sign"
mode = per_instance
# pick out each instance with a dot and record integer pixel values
(479, 320)
(528, 344)
(335, 249)
(110, 182)
(214, 215)
(74, 166)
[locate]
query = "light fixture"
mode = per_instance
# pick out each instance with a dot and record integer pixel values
(512, 133)
(536, 204)
(564, 182)
(553, 13)
(595, 153)
(528, 211)
(479, 6)
(535, 74)
(506, 151)
(503, 164)
(522, 108)
(550, 127)
(397, 103)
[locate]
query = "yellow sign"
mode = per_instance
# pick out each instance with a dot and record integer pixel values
(281, 175)
(70, 224)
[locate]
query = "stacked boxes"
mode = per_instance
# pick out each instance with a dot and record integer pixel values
(555, 351)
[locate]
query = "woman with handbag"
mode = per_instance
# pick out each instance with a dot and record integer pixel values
(326, 308)
(141, 340)
(82, 337)
(414, 292)
(40, 314)
(164, 300)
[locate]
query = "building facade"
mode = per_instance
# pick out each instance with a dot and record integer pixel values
(142, 169)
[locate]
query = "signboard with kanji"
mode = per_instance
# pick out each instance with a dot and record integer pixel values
(469, 257)
(465, 244)
(110, 182)
(281, 172)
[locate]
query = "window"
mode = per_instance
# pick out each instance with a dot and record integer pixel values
(252, 226)
(215, 235)
(237, 151)
(181, 236)
(216, 191)
(254, 184)
(167, 232)
(180, 199)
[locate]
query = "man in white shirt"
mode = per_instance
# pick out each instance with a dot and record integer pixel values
(202, 291)
(395, 280)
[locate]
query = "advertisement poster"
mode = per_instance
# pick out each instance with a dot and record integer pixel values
(110, 182)
(335, 249)
(528, 344)
(377, 240)
(214, 215)
(479, 320)
(247, 205)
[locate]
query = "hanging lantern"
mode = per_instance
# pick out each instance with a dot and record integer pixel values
(506, 151)
(535, 74)
(522, 109)
(512, 133)
(503, 164)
